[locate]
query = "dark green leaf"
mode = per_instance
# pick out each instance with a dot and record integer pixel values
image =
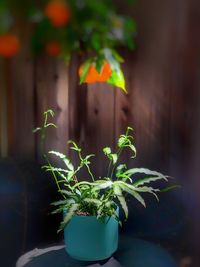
(146, 180)
(166, 189)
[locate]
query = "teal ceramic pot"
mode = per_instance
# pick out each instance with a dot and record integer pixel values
(89, 239)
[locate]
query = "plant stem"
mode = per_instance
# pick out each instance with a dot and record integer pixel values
(91, 175)
(43, 134)
(109, 166)
(88, 168)
(54, 176)
(114, 165)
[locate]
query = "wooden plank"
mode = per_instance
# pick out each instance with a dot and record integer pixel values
(77, 106)
(62, 107)
(6, 108)
(77, 102)
(146, 108)
(185, 119)
(21, 100)
(52, 93)
(91, 116)
(100, 130)
(123, 108)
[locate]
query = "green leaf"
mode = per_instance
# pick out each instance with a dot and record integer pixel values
(86, 159)
(50, 168)
(129, 129)
(103, 185)
(145, 171)
(107, 151)
(134, 194)
(166, 189)
(50, 124)
(150, 190)
(69, 174)
(143, 189)
(129, 32)
(93, 201)
(59, 171)
(74, 146)
(78, 192)
(146, 189)
(60, 202)
(37, 129)
(64, 158)
(120, 172)
(121, 168)
(117, 79)
(63, 203)
(146, 180)
(65, 192)
(96, 41)
(117, 56)
(122, 141)
(132, 147)
(70, 213)
(49, 112)
(85, 68)
(114, 158)
(118, 193)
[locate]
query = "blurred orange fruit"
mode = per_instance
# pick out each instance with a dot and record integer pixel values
(53, 48)
(58, 13)
(106, 72)
(93, 75)
(9, 45)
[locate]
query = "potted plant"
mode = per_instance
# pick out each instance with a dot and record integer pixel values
(90, 207)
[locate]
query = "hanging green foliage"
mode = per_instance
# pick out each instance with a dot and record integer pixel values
(65, 26)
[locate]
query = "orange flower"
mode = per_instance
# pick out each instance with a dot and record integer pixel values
(53, 48)
(9, 45)
(93, 75)
(58, 13)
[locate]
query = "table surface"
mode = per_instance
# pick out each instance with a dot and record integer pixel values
(132, 252)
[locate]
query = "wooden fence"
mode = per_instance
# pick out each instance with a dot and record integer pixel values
(162, 106)
(162, 79)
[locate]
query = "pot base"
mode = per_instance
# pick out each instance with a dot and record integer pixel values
(104, 258)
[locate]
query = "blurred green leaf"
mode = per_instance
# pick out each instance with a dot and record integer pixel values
(129, 32)
(117, 56)
(117, 79)
(95, 41)
(85, 68)
(169, 188)
(99, 62)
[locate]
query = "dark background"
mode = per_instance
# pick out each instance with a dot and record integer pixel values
(163, 107)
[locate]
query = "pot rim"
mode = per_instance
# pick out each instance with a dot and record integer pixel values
(90, 216)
